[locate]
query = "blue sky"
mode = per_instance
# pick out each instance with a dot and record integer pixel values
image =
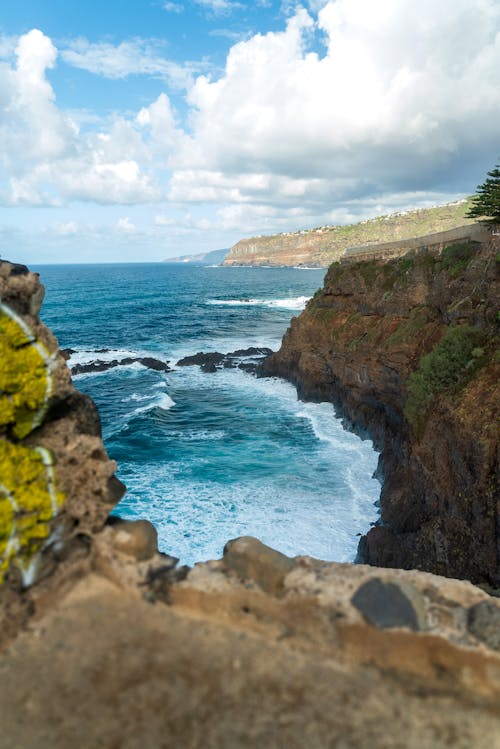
(142, 130)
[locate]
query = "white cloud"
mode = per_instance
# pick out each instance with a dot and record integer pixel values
(47, 158)
(125, 226)
(398, 110)
(221, 7)
(66, 228)
(172, 7)
(134, 57)
(405, 96)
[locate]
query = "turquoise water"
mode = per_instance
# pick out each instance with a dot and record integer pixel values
(211, 456)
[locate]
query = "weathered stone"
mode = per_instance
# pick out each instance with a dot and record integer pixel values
(483, 620)
(250, 559)
(136, 538)
(390, 604)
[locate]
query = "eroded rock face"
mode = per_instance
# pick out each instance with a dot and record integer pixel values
(358, 342)
(57, 484)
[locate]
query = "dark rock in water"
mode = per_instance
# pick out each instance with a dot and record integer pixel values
(202, 359)
(101, 366)
(252, 351)
(66, 353)
(483, 620)
(214, 360)
(390, 604)
(248, 366)
(156, 364)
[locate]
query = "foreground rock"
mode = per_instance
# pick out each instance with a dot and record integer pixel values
(228, 664)
(407, 350)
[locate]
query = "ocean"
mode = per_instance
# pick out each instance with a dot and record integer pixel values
(209, 456)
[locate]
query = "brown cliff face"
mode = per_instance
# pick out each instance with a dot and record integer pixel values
(358, 343)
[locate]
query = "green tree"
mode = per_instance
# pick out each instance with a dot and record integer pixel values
(486, 202)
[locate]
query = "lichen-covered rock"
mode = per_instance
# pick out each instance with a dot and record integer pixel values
(57, 484)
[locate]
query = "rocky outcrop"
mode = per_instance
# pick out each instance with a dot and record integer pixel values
(319, 247)
(248, 359)
(234, 661)
(407, 350)
(104, 642)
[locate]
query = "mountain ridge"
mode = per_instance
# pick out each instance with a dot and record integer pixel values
(320, 246)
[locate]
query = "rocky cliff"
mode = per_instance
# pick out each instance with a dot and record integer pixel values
(104, 642)
(407, 349)
(322, 246)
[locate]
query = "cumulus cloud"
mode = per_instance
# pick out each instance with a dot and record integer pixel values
(353, 108)
(406, 97)
(48, 159)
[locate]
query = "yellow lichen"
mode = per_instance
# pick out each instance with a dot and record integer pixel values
(28, 501)
(28, 497)
(25, 380)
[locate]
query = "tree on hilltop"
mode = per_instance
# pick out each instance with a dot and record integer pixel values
(486, 202)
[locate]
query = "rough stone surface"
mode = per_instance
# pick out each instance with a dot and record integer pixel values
(137, 538)
(390, 604)
(484, 622)
(58, 484)
(250, 559)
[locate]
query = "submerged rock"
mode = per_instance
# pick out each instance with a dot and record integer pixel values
(214, 360)
(101, 365)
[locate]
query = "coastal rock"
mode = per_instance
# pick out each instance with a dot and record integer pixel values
(483, 621)
(214, 360)
(250, 559)
(362, 344)
(317, 248)
(137, 538)
(101, 365)
(57, 482)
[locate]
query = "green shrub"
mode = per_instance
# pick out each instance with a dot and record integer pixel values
(456, 257)
(446, 369)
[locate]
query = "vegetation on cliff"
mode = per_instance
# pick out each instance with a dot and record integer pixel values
(321, 246)
(486, 203)
(407, 350)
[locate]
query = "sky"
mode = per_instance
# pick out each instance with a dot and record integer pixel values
(141, 130)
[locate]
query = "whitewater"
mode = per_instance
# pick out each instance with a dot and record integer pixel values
(210, 456)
